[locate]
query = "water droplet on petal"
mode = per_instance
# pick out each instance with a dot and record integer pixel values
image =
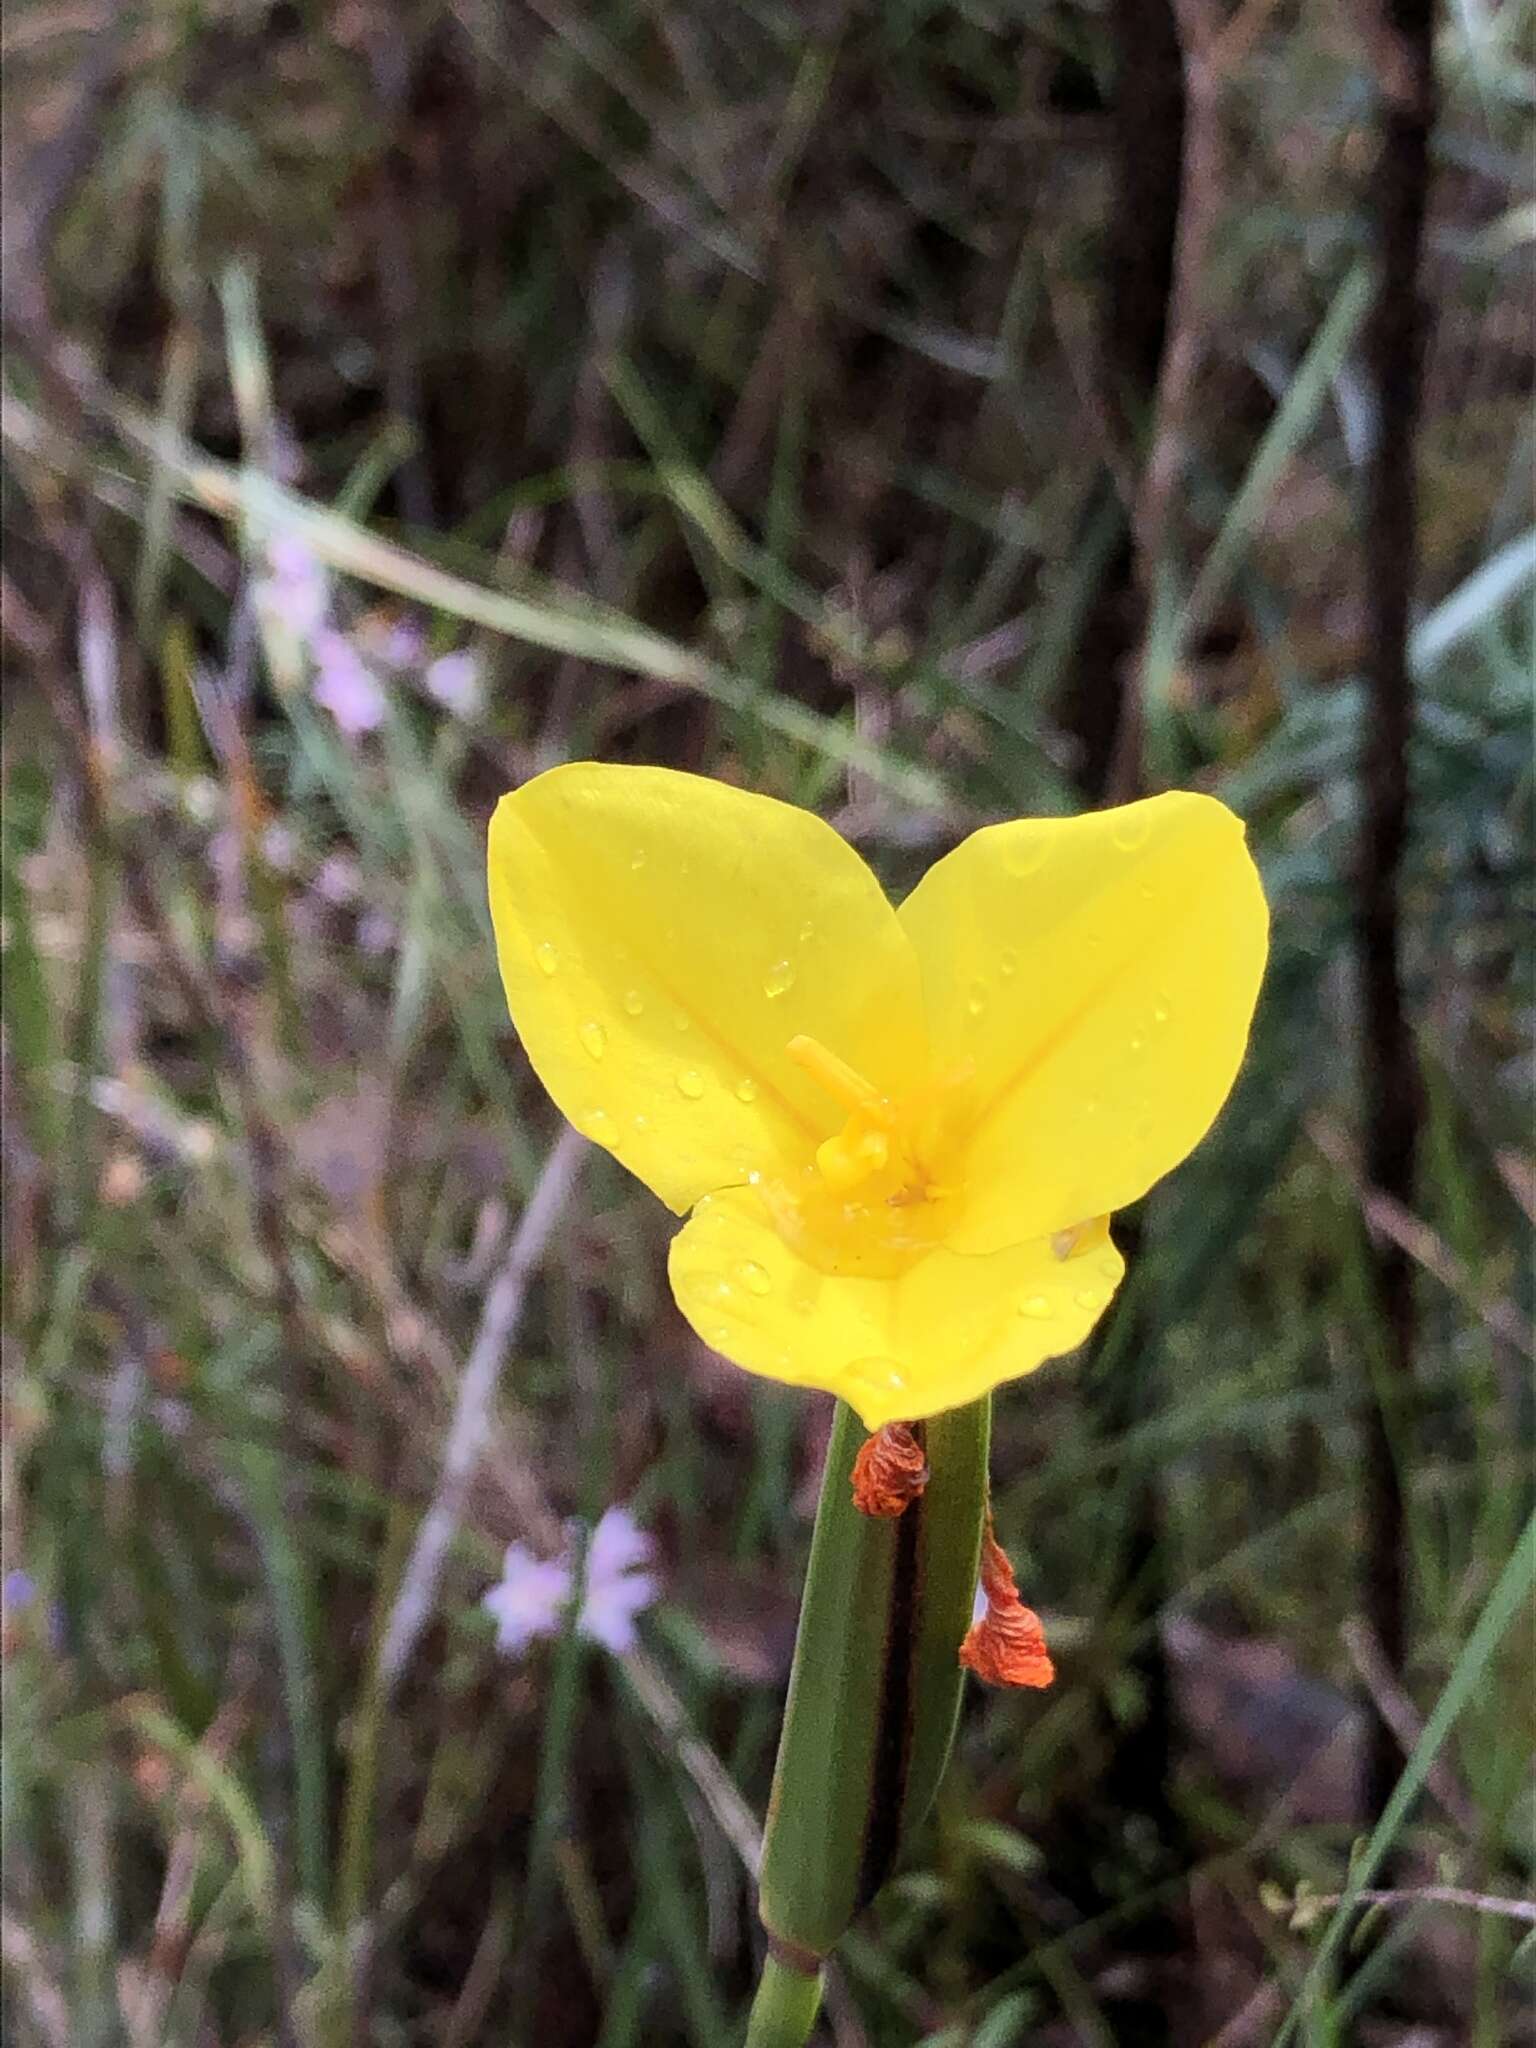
(746, 1090)
(680, 1020)
(1160, 1013)
(779, 979)
(1131, 829)
(976, 1001)
(634, 1002)
(1008, 966)
(878, 1375)
(1036, 1306)
(719, 1334)
(594, 1038)
(547, 957)
(1109, 1266)
(637, 859)
(1088, 1298)
(807, 931)
(690, 1082)
(1027, 855)
(642, 1123)
(1138, 1045)
(754, 1277)
(600, 1127)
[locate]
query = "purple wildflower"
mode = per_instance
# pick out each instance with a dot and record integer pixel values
(294, 592)
(18, 1590)
(345, 685)
(403, 644)
(533, 1593)
(454, 680)
(529, 1599)
(618, 1588)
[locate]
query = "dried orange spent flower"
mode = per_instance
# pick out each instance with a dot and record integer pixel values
(889, 1471)
(1007, 1646)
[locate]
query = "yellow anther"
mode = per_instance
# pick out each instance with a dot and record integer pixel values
(841, 1082)
(852, 1156)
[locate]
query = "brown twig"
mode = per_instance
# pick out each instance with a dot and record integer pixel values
(1493, 1903)
(1393, 1222)
(477, 1391)
(1398, 1713)
(1389, 1079)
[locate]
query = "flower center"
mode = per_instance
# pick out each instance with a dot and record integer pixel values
(872, 1203)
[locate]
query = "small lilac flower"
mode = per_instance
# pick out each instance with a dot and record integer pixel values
(344, 684)
(279, 848)
(19, 1590)
(294, 592)
(338, 879)
(529, 1600)
(617, 1587)
(454, 680)
(403, 645)
(376, 933)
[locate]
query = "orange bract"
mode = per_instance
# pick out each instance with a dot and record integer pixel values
(1007, 1645)
(889, 1473)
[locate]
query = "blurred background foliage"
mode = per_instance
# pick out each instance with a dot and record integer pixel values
(401, 398)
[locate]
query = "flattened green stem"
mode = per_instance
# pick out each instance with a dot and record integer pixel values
(875, 1689)
(785, 2008)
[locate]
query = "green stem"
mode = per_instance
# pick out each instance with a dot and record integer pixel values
(875, 1690)
(785, 2008)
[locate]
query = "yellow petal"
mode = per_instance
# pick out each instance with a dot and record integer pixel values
(946, 1331)
(663, 937)
(1092, 980)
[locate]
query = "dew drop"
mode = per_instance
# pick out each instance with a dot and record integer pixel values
(719, 1334)
(637, 859)
(642, 1123)
(680, 1021)
(1037, 1307)
(690, 1082)
(879, 1375)
(1008, 966)
(547, 957)
(634, 1002)
(976, 1001)
(1109, 1266)
(594, 1038)
(1028, 855)
(1089, 1298)
(1138, 1045)
(779, 979)
(1160, 1013)
(807, 931)
(1131, 829)
(746, 1090)
(600, 1127)
(754, 1277)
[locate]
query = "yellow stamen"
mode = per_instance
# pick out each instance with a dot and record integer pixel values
(841, 1082)
(852, 1156)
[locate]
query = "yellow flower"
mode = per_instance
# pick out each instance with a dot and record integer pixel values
(899, 1132)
